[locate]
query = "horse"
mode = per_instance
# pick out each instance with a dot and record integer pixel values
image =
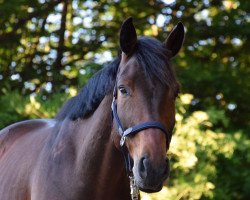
(107, 142)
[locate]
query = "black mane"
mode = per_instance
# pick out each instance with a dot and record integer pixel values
(151, 55)
(91, 94)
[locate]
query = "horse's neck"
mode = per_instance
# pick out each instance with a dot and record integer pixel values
(98, 161)
(92, 135)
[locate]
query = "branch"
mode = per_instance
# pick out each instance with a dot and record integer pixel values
(21, 22)
(61, 48)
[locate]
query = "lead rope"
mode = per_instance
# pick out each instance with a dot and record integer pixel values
(134, 190)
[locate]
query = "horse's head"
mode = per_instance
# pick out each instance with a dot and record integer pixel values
(146, 89)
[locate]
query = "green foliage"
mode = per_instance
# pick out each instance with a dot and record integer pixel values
(50, 48)
(14, 107)
(9, 103)
(206, 163)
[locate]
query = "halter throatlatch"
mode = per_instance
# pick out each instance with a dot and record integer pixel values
(124, 133)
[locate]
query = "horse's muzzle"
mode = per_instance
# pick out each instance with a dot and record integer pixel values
(150, 178)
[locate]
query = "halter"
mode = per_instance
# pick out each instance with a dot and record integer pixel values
(124, 133)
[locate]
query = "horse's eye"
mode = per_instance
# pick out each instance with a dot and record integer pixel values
(123, 91)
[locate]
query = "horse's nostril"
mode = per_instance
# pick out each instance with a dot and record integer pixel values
(146, 171)
(142, 168)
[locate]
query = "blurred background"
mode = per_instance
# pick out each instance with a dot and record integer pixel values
(50, 48)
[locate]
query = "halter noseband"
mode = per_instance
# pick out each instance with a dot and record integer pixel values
(132, 131)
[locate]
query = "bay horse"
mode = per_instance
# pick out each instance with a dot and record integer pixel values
(80, 154)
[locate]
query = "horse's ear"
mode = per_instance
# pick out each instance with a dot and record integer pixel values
(175, 39)
(128, 36)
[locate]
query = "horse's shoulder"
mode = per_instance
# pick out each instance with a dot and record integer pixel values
(25, 126)
(14, 131)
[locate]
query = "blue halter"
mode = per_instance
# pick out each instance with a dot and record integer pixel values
(132, 131)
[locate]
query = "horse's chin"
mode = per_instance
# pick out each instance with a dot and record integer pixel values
(148, 188)
(151, 190)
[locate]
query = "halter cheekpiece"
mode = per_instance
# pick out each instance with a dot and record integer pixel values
(124, 133)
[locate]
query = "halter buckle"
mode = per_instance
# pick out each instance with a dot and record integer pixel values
(122, 141)
(128, 131)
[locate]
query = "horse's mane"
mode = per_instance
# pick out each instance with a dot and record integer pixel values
(151, 55)
(91, 94)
